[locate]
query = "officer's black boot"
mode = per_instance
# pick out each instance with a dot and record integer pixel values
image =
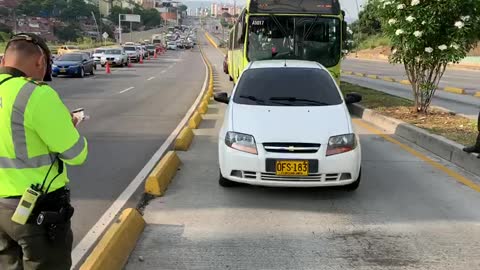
(475, 148)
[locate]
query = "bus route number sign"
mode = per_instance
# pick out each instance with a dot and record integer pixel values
(258, 22)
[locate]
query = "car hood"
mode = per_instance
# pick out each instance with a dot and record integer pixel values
(131, 52)
(291, 124)
(97, 54)
(66, 63)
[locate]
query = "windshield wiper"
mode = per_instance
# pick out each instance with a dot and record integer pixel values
(294, 99)
(252, 98)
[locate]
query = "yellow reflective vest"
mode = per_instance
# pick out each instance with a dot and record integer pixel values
(35, 128)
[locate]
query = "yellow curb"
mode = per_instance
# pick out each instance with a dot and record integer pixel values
(120, 239)
(372, 76)
(348, 72)
(388, 79)
(195, 120)
(359, 74)
(203, 108)
(207, 99)
(477, 94)
(405, 82)
(454, 90)
(162, 175)
(211, 40)
(184, 139)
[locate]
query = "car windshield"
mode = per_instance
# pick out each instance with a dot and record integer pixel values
(129, 48)
(287, 87)
(113, 52)
(286, 37)
(150, 47)
(99, 51)
(171, 43)
(70, 57)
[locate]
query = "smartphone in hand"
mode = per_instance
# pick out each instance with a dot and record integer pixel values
(78, 115)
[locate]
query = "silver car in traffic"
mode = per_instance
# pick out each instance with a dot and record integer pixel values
(114, 57)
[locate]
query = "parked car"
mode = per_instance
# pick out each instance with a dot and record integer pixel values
(132, 53)
(144, 51)
(67, 49)
(73, 64)
(180, 44)
(114, 57)
(172, 45)
(287, 124)
(97, 54)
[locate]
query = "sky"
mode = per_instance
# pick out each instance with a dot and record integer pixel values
(348, 5)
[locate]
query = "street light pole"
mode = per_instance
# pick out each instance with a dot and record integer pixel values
(120, 29)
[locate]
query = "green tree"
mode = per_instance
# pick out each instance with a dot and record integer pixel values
(69, 32)
(151, 18)
(426, 36)
(182, 8)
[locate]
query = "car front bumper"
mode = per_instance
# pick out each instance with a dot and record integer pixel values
(66, 71)
(337, 170)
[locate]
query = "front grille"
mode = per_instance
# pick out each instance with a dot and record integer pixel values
(300, 148)
(110, 58)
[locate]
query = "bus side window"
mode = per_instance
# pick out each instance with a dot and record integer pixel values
(240, 38)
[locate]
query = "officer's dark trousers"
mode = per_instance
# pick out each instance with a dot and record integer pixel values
(26, 247)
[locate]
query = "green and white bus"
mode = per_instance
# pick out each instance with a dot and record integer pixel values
(287, 29)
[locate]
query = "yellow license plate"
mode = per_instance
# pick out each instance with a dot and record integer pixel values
(62, 70)
(291, 167)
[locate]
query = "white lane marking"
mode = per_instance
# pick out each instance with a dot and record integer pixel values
(163, 71)
(126, 90)
(151, 78)
(97, 230)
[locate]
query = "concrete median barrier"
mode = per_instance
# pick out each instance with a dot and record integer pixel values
(454, 90)
(359, 74)
(347, 72)
(388, 79)
(405, 82)
(159, 179)
(195, 121)
(477, 94)
(438, 145)
(114, 248)
(203, 108)
(372, 76)
(184, 139)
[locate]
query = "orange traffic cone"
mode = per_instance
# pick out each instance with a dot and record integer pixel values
(155, 54)
(107, 68)
(129, 63)
(148, 56)
(141, 59)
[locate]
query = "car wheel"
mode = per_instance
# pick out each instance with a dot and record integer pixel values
(82, 73)
(54, 75)
(102, 66)
(224, 182)
(92, 72)
(354, 186)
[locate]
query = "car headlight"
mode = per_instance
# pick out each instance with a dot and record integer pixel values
(117, 58)
(341, 144)
(241, 142)
(54, 66)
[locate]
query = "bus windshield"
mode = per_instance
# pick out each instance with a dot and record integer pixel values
(312, 38)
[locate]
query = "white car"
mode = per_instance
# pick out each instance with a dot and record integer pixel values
(114, 57)
(97, 54)
(172, 45)
(287, 125)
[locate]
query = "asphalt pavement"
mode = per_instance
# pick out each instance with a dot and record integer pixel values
(132, 111)
(467, 79)
(407, 214)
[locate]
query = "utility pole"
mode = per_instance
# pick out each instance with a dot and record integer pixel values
(96, 24)
(120, 29)
(358, 28)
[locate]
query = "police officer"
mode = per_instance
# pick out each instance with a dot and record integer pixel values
(475, 148)
(37, 135)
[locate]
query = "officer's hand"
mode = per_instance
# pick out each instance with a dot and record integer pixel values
(75, 120)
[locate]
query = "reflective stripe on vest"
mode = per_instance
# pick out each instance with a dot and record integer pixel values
(21, 160)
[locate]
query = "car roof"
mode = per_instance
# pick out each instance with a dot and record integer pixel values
(285, 63)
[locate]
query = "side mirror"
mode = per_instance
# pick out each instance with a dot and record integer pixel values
(84, 60)
(353, 98)
(344, 30)
(221, 97)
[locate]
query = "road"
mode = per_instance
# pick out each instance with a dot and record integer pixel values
(467, 79)
(133, 111)
(407, 214)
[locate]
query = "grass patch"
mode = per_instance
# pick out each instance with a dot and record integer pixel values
(456, 128)
(373, 42)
